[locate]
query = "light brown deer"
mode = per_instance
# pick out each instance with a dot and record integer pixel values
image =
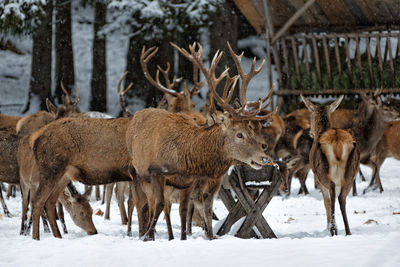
(92, 151)
(175, 150)
(334, 159)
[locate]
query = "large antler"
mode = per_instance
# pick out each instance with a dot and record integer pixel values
(121, 93)
(249, 111)
(145, 57)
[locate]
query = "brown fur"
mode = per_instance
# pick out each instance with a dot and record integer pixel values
(8, 121)
(176, 146)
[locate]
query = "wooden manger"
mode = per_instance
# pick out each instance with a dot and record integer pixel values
(246, 193)
(328, 47)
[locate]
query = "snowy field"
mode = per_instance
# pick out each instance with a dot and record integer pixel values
(298, 221)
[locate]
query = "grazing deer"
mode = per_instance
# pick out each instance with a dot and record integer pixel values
(90, 150)
(334, 159)
(170, 149)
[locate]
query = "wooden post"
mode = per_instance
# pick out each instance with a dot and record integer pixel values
(391, 64)
(358, 55)
(348, 59)
(371, 74)
(379, 56)
(296, 60)
(316, 56)
(286, 61)
(327, 60)
(305, 52)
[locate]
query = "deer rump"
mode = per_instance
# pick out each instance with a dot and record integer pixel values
(336, 154)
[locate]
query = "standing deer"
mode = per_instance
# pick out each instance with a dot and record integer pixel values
(170, 149)
(334, 159)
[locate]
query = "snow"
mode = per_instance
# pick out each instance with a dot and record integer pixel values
(298, 221)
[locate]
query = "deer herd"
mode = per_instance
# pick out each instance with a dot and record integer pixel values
(173, 153)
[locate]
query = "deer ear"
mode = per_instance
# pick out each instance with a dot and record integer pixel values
(335, 105)
(50, 106)
(310, 106)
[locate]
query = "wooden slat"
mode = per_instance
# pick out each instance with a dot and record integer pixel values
(348, 60)
(286, 60)
(358, 55)
(366, 9)
(391, 63)
(371, 74)
(316, 58)
(337, 55)
(306, 57)
(283, 92)
(327, 60)
(296, 60)
(379, 56)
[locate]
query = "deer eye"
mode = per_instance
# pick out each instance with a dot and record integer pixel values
(239, 135)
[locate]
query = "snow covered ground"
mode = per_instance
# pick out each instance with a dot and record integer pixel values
(298, 221)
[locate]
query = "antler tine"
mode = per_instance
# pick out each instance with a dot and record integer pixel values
(170, 85)
(123, 92)
(252, 104)
(67, 95)
(145, 57)
(245, 77)
(76, 95)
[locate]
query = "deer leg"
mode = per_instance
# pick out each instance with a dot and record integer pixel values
(51, 205)
(208, 215)
(333, 226)
(190, 217)
(342, 203)
(24, 217)
(361, 175)
(355, 188)
(103, 199)
(9, 191)
(119, 191)
(45, 220)
(327, 203)
(183, 208)
(98, 198)
(157, 184)
(167, 210)
(3, 203)
(109, 190)
(60, 214)
(38, 201)
(131, 205)
(302, 178)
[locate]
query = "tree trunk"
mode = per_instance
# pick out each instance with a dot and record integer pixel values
(224, 29)
(64, 52)
(99, 77)
(142, 89)
(40, 83)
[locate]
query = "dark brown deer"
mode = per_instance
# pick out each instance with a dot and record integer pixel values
(388, 146)
(334, 159)
(174, 149)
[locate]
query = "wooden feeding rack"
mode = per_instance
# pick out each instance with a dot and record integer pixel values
(246, 193)
(329, 47)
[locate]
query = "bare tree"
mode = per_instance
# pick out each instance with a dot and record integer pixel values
(64, 52)
(99, 78)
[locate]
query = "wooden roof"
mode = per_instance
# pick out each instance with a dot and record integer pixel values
(324, 15)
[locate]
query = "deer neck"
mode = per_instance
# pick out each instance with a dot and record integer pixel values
(368, 131)
(322, 123)
(206, 156)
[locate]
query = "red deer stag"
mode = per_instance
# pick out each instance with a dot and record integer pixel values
(170, 149)
(334, 159)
